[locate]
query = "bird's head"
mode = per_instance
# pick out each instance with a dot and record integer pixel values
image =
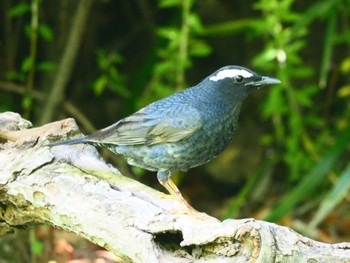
(238, 81)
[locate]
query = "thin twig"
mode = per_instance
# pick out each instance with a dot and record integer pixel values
(19, 89)
(68, 60)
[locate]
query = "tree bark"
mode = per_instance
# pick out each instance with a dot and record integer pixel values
(72, 188)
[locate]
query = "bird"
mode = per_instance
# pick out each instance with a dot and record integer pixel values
(184, 130)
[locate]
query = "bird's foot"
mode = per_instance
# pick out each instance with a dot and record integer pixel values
(186, 208)
(191, 213)
(166, 196)
(165, 180)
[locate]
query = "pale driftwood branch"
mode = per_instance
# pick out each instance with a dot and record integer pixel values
(72, 188)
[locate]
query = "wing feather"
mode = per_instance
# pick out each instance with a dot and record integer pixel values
(151, 126)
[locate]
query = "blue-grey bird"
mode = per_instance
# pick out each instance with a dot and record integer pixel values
(184, 130)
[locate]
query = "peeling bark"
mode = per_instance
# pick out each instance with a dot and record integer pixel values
(72, 188)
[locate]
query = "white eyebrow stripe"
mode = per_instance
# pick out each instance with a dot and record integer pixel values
(230, 73)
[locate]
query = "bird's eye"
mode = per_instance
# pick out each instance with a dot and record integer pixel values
(238, 79)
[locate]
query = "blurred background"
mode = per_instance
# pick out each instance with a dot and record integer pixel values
(100, 60)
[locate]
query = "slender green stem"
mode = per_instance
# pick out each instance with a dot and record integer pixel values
(183, 46)
(33, 43)
(32, 239)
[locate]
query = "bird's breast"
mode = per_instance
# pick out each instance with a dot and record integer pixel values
(218, 130)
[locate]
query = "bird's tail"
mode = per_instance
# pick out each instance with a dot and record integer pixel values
(69, 142)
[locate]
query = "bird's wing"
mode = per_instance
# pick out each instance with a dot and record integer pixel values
(151, 126)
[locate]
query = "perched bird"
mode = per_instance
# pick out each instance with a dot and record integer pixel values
(184, 130)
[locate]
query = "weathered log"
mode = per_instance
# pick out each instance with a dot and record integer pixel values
(72, 188)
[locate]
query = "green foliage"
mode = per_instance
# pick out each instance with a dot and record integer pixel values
(292, 105)
(333, 197)
(313, 178)
(25, 73)
(44, 31)
(109, 78)
(181, 43)
(301, 134)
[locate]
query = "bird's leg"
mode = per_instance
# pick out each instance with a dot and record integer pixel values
(165, 180)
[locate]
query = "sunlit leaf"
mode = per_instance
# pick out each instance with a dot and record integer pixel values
(345, 65)
(170, 33)
(199, 48)
(344, 91)
(27, 102)
(195, 23)
(169, 3)
(100, 84)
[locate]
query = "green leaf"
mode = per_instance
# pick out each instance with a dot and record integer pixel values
(170, 33)
(198, 48)
(345, 65)
(269, 54)
(14, 75)
(275, 103)
(312, 179)
(100, 84)
(45, 32)
(27, 64)
(27, 102)
(328, 47)
(305, 94)
(302, 72)
(232, 27)
(27, 30)
(46, 66)
(19, 10)
(333, 198)
(344, 91)
(169, 3)
(195, 23)
(315, 11)
(36, 246)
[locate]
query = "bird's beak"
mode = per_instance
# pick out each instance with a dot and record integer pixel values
(263, 81)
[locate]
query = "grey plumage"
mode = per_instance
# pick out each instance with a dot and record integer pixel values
(184, 130)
